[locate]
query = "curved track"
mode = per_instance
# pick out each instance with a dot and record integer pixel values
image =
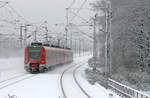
(14, 80)
(61, 82)
(75, 67)
(74, 76)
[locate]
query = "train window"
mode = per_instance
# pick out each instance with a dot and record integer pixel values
(36, 44)
(34, 53)
(48, 45)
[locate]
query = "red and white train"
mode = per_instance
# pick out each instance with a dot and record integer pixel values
(39, 57)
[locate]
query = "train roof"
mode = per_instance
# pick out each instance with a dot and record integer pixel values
(39, 44)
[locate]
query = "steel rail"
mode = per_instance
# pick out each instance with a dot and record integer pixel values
(15, 82)
(61, 82)
(12, 78)
(62, 75)
(74, 76)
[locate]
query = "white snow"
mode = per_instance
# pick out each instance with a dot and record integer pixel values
(10, 67)
(95, 91)
(47, 85)
(70, 87)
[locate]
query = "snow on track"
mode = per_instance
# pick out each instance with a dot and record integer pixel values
(11, 67)
(47, 85)
(44, 85)
(75, 79)
(68, 84)
(15, 80)
(95, 91)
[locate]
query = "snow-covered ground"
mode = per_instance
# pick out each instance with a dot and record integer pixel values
(47, 85)
(10, 67)
(95, 91)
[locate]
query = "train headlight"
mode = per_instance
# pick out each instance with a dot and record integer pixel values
(26, 62)
(42, 61)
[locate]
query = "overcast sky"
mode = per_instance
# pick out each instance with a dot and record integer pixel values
(51, 10)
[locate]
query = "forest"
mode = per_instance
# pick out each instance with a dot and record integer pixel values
(130, 47)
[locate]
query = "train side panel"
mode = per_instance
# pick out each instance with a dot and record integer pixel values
(50, 56)
(56, 56)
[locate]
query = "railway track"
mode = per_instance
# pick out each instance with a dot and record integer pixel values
(61, 82)
(74, 77)
(14, 80)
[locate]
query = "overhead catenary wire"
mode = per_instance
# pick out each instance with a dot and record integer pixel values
(76, 14)
(87, 35)
(73, 2)
(70, 6)
(79, 16)
(4, 3)
(78, 10)
(17, 13)
(15, 19)
(84, 35)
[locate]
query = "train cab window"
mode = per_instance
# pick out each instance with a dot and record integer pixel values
(34, 53)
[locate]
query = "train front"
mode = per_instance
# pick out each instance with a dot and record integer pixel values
(35, 60)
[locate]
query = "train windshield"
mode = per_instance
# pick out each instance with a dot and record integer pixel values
(34, 53)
